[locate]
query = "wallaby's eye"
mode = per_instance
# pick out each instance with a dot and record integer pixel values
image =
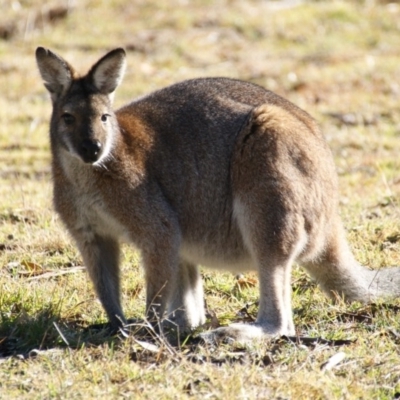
(104, 117)
(68, 118)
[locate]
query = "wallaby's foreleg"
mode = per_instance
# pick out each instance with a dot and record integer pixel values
(101, 257)
(186, 307)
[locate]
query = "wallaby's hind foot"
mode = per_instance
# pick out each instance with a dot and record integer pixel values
(236, 333)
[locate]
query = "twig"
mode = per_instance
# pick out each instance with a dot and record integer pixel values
(333, 361)
(61, 334)
(53, 274)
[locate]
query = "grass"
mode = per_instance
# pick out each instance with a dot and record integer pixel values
(337, 60)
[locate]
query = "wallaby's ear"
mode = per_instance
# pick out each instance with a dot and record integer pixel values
(108, 72)
(56, 72)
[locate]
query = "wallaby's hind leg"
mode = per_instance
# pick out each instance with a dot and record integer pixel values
(274, 264)
(274, 315)
(275, 305)
(101, 258)
(186, 307)
(272, 185)
(273, 252)
(161, 270)
(274, 240)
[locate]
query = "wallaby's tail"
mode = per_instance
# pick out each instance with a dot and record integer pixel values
(338, 273)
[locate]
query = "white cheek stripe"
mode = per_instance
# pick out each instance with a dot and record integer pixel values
(108, 146)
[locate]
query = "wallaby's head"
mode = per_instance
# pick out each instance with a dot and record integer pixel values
(83, 122)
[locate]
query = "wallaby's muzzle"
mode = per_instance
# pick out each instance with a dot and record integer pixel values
(90, 150)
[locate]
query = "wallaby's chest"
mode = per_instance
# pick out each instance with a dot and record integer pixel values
(87, 210)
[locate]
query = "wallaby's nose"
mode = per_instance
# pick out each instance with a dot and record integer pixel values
(90, 150)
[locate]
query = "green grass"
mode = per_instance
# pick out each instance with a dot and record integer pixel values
(331, 58)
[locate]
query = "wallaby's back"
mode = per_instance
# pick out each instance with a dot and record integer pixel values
(193, 127)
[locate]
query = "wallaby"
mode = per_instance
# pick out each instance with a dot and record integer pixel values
(214, 172)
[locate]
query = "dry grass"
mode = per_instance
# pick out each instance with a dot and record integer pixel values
(337, 60)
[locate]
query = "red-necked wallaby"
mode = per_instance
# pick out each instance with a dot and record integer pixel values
(214, 171)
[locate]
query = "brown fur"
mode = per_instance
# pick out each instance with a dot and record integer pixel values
(214, 171)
